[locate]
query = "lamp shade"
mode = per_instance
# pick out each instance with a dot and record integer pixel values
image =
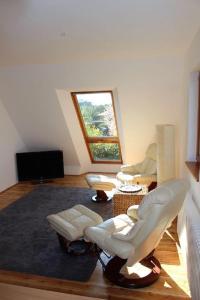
(166, 169)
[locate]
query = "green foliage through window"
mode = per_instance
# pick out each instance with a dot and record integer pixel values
(102, 151)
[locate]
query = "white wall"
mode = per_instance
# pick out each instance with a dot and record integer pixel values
(10, 143)
(148, 92)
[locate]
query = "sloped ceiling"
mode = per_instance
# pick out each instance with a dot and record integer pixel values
(49, 31)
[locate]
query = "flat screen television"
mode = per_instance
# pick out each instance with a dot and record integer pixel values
(40, 166)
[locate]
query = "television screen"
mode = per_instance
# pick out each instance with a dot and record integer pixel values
(40, 165)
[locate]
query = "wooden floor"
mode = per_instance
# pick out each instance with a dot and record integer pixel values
(172, 283)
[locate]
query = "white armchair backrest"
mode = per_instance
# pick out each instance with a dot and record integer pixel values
(151, 151)
(171, 192)
(155, 213)
(148, 166)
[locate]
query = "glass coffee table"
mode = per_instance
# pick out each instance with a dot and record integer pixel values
(125, 197)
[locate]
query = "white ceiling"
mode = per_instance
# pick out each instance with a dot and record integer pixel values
(54, 31)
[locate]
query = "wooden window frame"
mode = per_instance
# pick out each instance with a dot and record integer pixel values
(198, 124)
(89, 140)
(194, 166)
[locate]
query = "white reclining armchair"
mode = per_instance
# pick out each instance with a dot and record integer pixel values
(144, 172)
(132, 237)
(159, 163)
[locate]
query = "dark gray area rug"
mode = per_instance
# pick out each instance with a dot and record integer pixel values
(29, 245)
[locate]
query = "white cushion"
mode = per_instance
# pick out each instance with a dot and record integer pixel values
(102, 235)
(72, 222)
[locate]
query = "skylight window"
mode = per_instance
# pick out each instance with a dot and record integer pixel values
(96, 114)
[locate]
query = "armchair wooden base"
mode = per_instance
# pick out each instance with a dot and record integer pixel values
(115, 264)
(112, 272)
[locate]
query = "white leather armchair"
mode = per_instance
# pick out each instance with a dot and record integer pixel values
(144, 172)
(132, 237)
(159, 164)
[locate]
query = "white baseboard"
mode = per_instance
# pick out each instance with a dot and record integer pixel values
(92, 168)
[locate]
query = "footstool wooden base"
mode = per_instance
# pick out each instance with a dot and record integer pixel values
(101, 196)
(78, 247)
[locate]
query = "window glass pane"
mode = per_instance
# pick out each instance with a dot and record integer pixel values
(105, 151)
(98, 115)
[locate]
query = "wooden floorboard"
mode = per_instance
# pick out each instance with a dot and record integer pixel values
(171, 285)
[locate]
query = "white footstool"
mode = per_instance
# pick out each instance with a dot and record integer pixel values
(101, 183)
(70, 224)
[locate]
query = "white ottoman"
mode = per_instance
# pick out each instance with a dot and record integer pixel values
(101, 183)
(71, 223)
